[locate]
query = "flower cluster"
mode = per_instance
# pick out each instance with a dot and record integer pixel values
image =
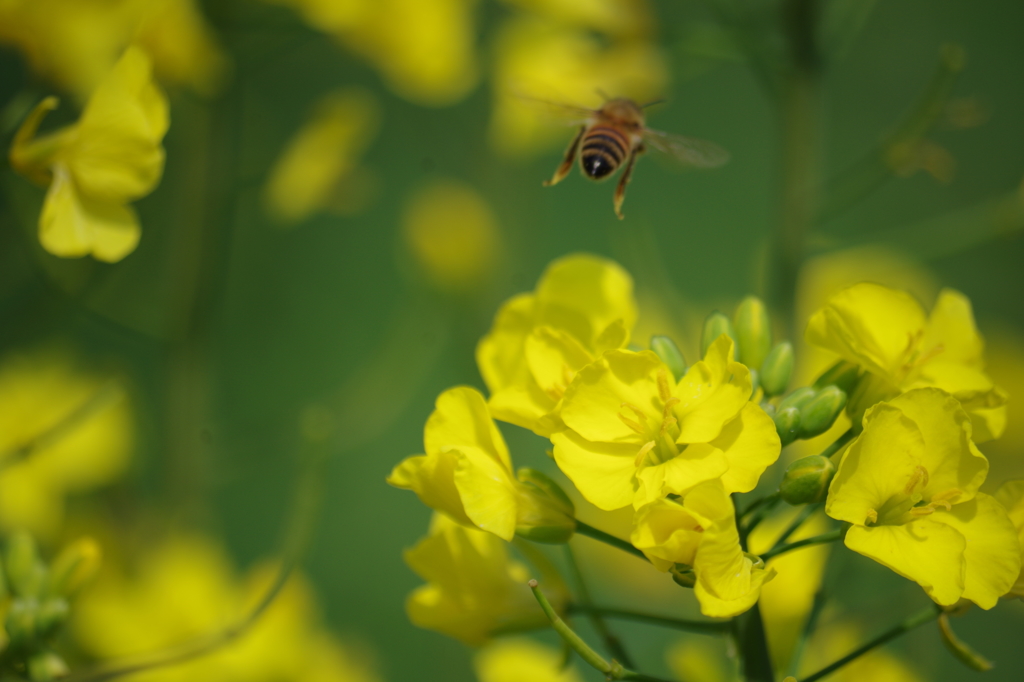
(675, 445)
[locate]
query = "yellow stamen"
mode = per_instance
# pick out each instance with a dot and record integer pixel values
(631, 424)
(663, 388)
(872, 516)
(922, 511)
(567, 375)
(647, 447)
(920, 475)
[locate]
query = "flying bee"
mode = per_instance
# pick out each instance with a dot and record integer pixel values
(616, 134)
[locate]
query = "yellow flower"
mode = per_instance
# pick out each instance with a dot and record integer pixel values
(909, 485)
(453, 234)
(321, 160)
(582, 306)
(635, 435)
(611, 17)
(887, 333)
(701, 532)
(1011, 496)
(426, 49)
(467, 474)
(75, 43)
(61, 431)
(474, 590)
(835, 640)
(539, 58)
(186, 587)
(521, 660)
(94, 168)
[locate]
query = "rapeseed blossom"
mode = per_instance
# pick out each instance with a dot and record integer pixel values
(112, 156)
(909, 487)
(62, 431)
(887, 333)
(474, 589)
(634, 435)
(583, 305)
(1011, 496)
(467, 474)
(700, 532)
(186, 587)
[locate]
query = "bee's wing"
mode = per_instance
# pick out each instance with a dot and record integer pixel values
(571, 113)
(689, 151)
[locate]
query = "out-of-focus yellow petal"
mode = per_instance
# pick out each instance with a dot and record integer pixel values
(71, 225)
(322, 157)
(461, 418)
(612, 17)
(951, 327)
(602, 472)
(601, 389)
(432, 478)
(488, 492)
(992, 555)
(927, 552)
(667, 533)
(712, 392)
(698, 463)
(499, 355)
(1011, 496)
(869, 325)
(453, 234)
(519, 660)
(690, 659)
(585, 294)
(181, 44)
(751, 444)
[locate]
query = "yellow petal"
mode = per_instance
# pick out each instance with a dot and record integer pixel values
(667, 533)
(1011, 496)
(876, 466)
(432, 478)
(949, 456)
(992, 555)
(499, 355)
(602, 472)
(751, 444)
(461, 419)
(869, 325)
(488, 492)
(520, 660)
(117, 154)
(925, 551)
(554, 357)
(597, 395)
(71, 225)
(696, 464)
(951, 328)
(984, 401)
(712, 392)
(526, 406)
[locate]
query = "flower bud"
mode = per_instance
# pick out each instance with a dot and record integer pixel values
(787, 423)
(44, 666)
(74, 567)
(714, 326)
(20, 622)
(798, 398)
(753, 330)
(807, 480)
(843, 374)
(818, 414)
(25, 571)
(777, 369)
(544, 513)
(666, 349)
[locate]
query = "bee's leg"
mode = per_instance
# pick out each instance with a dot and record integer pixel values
(620, 190)
(570, 157)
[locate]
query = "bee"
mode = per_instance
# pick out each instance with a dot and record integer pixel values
(616, 134)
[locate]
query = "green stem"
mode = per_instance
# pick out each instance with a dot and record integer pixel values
(611, 671)
(767, 499)
(817, 606)
(804, 514)
(611, 641)
(839, 443)
(608, 539)
(757, 517)
(707, 627)
(918, 619)
(831, 536)
(748, 631)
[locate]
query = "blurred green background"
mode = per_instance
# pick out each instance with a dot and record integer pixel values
(230, 327)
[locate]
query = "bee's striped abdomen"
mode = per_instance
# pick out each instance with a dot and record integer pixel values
(604, 149)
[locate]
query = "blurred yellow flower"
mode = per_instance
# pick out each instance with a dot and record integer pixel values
(75, 43)
(1011, 496)
(522, 660)
(541, 59)
(834, 641)
(887, 333)
(634, 434)
(611, 17)
(186, 587)
(319, 168)
(1004, 358)
(690, 659)
(112, 156)
(700, 532)
(467, 474)
(62, 431)
(909, 485)
(474, 590)
(425, 49)
(583, 305)
(453, 234)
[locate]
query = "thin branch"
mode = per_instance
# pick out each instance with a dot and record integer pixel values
(608, 539)
(839, 443)
(611, 641)
(831, 536)
(918, 619)
(804, 514)
(706, 627)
